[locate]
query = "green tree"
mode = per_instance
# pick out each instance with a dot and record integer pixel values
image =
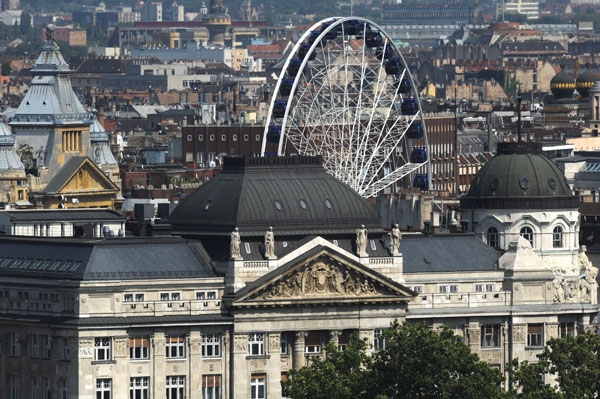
(25, 26)
(418, 362)
(573, 362)
(341, 375)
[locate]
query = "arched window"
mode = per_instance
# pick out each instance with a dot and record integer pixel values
(492, 237)
(557, 237)
(527, 233)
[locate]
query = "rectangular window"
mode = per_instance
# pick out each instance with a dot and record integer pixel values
(46, 392)
(535, 335)
(34, 388)
(175, 296)
(139, 297)
(478, 287)
(211, 295)
(102, 348)
(379, 339)
(454, 288)
(176, 347)
(442, 289)
(46, 348)
(566, 329)
(139, 388)
(103, 388)
(283, 341)
(15, 387)
(139, 348)
(490, 336)
(211, 345)
(200, 296)
(312, 342)
(489, 288)
(211, 387)
(175, 387)
(35, 346)
(417, 288)
(164, 296)
(128, 298)
(256, 344)
(15, 345)
(62, 389)
(64, 348)
(258, 386)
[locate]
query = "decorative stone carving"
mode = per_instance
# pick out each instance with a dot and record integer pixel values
(274, 342)
(240, 343)
(580, 286)
(361, 241)
(558, 291)
(588, 287)
(270, 244)
(196, 344)
(474, 336)
(85, 348)
(395, 236)
(235, 244)
(121, 347)
(519, 334)
(159, 346)
(320, 279)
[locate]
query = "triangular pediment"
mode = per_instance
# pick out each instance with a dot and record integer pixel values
(325, 277)
(78, 175)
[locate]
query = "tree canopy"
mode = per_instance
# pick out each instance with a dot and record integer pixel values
(416, 363)
(572, 361)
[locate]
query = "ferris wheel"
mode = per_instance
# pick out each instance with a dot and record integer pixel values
(345, 93)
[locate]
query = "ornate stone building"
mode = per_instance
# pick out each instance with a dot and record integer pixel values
(52, 127)
(275, 258)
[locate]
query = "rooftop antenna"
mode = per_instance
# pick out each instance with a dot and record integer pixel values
(519, 117)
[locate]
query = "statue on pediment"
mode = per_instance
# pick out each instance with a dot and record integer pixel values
(361, 241)
(270, 244)
(234, 245)
(395, 236)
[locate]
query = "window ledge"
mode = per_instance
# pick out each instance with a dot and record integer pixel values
(258, 357)
(104, 362)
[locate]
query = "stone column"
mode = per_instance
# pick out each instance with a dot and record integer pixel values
(370, 336)
(298, 355)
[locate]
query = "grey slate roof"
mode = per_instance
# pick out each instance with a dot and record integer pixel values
(446, 253)
(294, 195)
(99, 139)
(72, 259)
(50, 98)
(73, 215)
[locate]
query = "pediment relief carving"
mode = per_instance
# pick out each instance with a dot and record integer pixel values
(323, 277)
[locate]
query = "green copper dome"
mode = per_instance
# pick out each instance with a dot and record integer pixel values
(519, 177)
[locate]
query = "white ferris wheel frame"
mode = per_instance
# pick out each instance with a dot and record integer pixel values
(371, 137)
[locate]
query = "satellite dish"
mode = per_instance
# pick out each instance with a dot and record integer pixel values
(212, 164)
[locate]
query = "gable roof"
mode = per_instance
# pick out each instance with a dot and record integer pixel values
(321, 275)
(68, 170)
